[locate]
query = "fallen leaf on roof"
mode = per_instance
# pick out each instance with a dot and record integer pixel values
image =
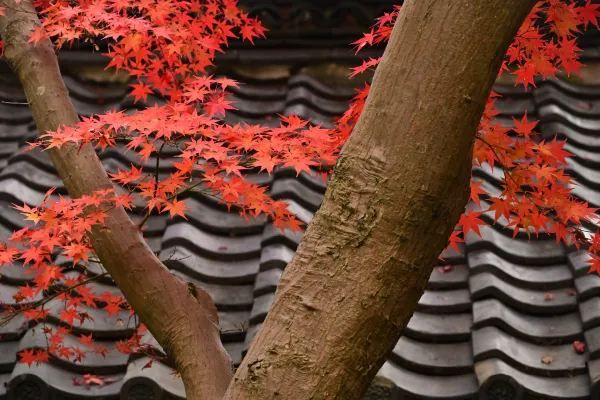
(547, 360)
(548, 296)
(579, 347)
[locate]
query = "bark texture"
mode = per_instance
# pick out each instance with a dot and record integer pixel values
(185, 325)
(396, 193)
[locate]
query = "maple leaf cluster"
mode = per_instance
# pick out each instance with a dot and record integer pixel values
(48, 250)
(160, 42)
(535, 195)
(167, 47)
(546, 41)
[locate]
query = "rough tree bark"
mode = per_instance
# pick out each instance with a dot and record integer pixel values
(396, 193)
(186, 326)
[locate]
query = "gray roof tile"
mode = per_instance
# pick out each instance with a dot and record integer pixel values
(422, 386)
(499, 380)
(549, 302)
(436, 358)
(445, 301)
(548, 329)
(439, 327)
(449, 277)
(533, 277)
(544, 360)
(537, 252)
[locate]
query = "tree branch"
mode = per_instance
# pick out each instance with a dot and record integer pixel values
(184, 325)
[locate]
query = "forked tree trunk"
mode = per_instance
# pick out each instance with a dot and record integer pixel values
(185, 325)
(397, 191)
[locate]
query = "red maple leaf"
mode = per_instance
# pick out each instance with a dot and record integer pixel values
(476, 191)
(455, 240)
(218, 105)
(525, 74)
(524, 127)
(31, 356)
(470, 221)
(175, 207)
(7, 254)
(366, 39)
(594, 264)
(112, 308)
(140, 91)
(37, 35)
(590, 13)
(579, 347)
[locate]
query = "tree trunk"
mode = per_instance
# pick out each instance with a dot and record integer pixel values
(185, 325)
(397, 191)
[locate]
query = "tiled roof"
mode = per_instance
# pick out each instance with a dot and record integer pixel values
(297, 22)
(497, 319)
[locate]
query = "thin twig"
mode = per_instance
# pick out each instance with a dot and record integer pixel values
(505, 170)
(173, 196)
(46, 300)
(156, 177)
